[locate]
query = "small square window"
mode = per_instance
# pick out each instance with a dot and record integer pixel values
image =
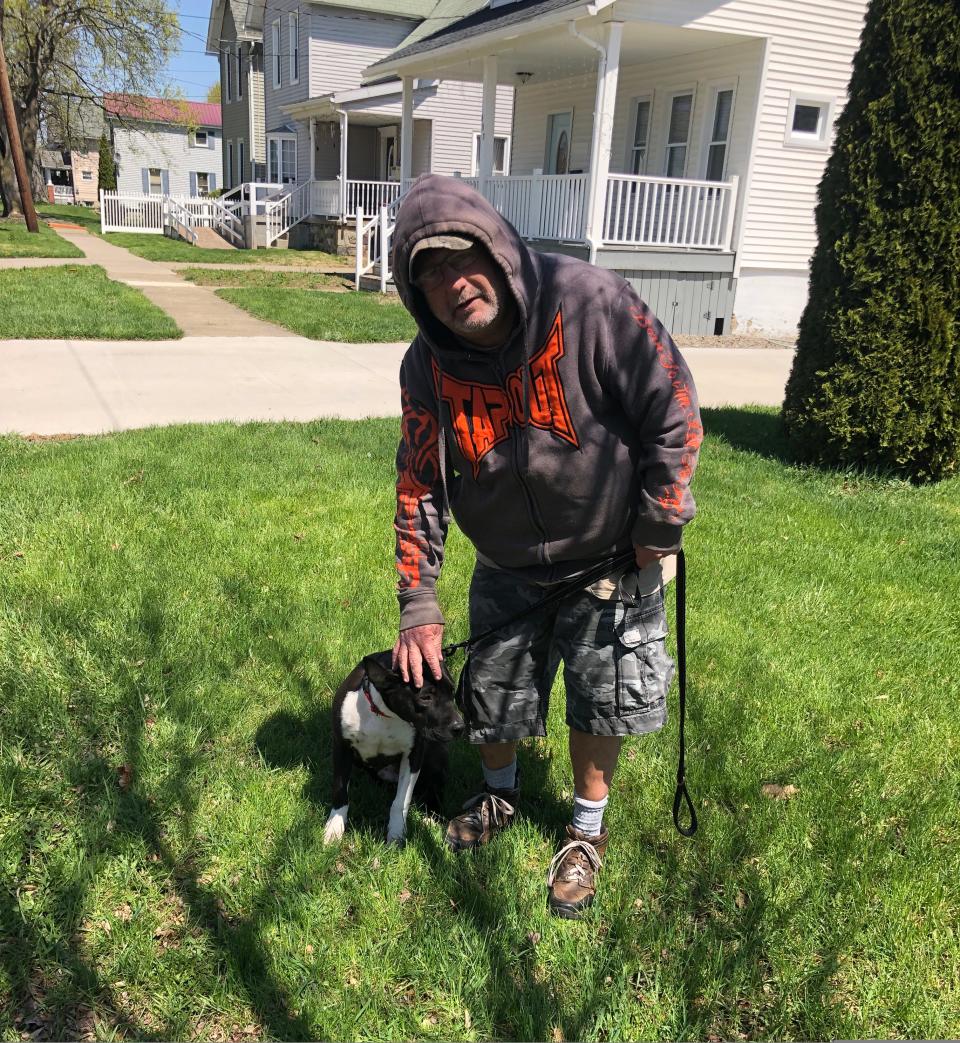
(808, 121)
(87, 175)
(200, 138)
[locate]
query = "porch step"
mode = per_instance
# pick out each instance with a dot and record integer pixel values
(212, 240)
(371, 283)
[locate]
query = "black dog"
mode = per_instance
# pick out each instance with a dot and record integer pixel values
(397, 732)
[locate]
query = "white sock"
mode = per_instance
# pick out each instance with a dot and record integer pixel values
(501, 778)
(588, 815)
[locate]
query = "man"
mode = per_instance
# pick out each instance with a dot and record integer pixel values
(546, 405)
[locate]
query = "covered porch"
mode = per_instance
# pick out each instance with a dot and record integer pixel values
(629, 135)
(356, 148)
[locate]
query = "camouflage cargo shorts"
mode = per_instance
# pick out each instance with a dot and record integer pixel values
(616, 668)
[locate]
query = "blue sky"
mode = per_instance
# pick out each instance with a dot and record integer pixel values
(191, 72)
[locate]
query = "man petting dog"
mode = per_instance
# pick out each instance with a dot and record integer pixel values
(547, 406)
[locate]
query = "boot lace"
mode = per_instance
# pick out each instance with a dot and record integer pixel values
(584, 858)
(487, 809)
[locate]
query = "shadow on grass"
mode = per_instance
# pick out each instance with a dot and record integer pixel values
(751, 430)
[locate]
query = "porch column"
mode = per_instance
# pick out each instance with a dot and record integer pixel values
(488, 118)
(313, 148)
(344, 131)
(608, 73)
(406, 132)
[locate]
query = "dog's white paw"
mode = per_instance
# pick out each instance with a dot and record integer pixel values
(396, 839)
(336, 824)
(397, 830)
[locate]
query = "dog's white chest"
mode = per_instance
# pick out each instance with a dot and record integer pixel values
(370, 734)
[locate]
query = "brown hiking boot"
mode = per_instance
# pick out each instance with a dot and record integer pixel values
(573, 872)
(482, 818)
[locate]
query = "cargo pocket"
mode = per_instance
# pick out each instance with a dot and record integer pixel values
(644, 667)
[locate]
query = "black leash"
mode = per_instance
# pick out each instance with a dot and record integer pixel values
(604, 568)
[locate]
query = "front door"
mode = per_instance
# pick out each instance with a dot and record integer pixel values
(389, 154)
(557, 159)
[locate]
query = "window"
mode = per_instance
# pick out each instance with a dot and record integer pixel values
(155, 181)
(293, 27)
(87, 175)
(239, 71)
(228, 63)
(240, 160)
(229, 170)
(200, 139)
(501, 154)
(719, 134)
(281, 158)
(678, 136)
(277, 68)
(637, 159)
(809, 117)
(203, 184)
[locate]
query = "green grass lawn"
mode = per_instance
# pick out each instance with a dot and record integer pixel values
(162, 248)
(77, 301)
(354, 318)
(16, 241)
(289, 280)
(84, 216)
(177, 607)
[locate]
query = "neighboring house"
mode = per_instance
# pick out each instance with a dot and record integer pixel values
(70, 175)
(322, 127)
(165, 146)
(678, 142)
(240, 51)
(70, 158)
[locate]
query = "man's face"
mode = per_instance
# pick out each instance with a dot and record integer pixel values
(467, 292)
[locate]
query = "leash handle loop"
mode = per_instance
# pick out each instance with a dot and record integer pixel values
(682, 794)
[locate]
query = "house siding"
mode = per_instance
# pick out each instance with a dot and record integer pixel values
(811, 48)
(167, 148)
(342, 46)
(85, 191)
(235, 111)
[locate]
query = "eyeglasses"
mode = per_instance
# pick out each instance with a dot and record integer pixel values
(460, 261)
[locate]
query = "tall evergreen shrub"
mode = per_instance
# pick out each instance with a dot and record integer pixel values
(107, 179)
(876, 379)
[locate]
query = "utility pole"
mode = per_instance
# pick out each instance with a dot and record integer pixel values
(16, 145)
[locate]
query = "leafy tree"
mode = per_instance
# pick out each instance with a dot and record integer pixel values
(107, 180)
(213, 94)
(876, 379)
(63, 53)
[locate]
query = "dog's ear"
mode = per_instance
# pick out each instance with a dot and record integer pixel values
(383, 677)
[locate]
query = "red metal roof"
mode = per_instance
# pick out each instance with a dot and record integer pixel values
(163, 110)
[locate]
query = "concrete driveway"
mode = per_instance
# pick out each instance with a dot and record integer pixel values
(87, 387)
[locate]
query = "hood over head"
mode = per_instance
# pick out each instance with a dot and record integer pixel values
(445, 206)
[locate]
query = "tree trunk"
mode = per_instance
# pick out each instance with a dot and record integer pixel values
(29, 119)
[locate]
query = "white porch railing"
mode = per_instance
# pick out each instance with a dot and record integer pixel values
(63, 194)
(540, 206)
(325, 198)
(178, 219)
(370, 196)
(652, 211)
(283, 213)
(374, 242)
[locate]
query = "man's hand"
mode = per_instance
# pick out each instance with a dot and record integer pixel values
(417, 646)
(646, 556)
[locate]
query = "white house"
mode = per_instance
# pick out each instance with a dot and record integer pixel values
(336, 143)
(239, 48)
(163, 146)
(679, 142)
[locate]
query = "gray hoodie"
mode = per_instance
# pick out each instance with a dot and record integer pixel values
(575, 439)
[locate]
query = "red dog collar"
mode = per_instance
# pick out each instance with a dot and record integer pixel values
(373, 706)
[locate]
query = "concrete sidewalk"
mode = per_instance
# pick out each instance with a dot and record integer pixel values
(197, 310)
(87, 387)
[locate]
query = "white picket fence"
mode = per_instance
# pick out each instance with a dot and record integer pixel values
(154, 214)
